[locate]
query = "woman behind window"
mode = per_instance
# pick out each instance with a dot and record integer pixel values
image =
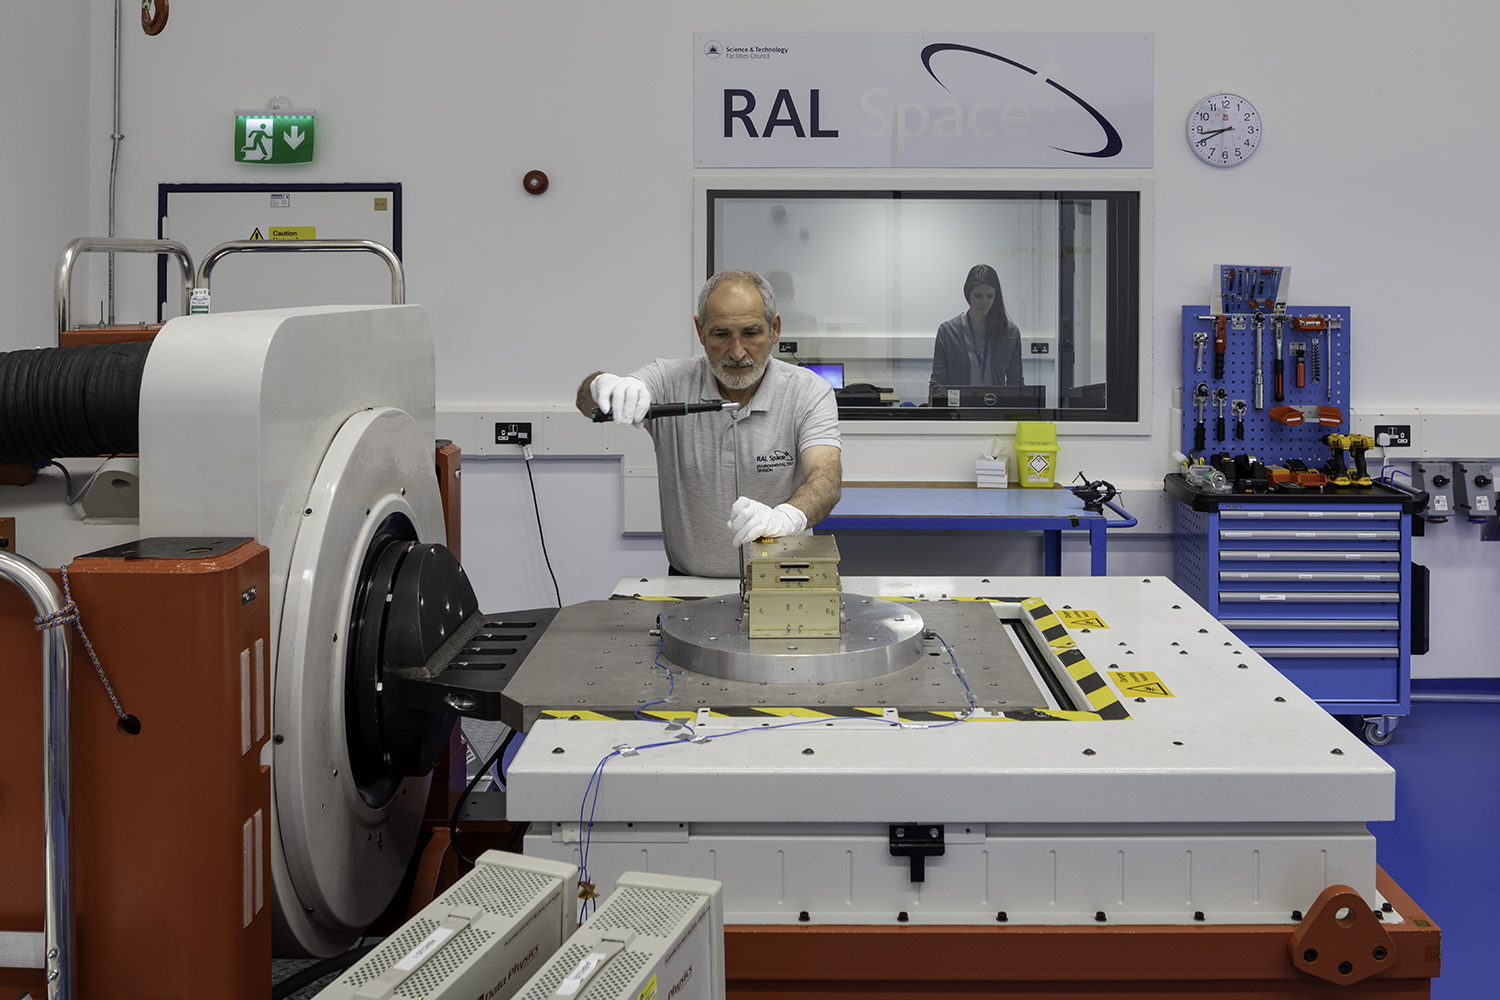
(979, 346)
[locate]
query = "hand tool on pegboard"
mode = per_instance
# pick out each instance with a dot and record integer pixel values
(1260, 384)
(1200, 400)
(1296, 416)
(1221, 395)
(1278, 366)
(1317, 324)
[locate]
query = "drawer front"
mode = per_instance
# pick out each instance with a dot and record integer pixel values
(1273, 598)
(1261, 555)
(1379, 623)
(1273, 653)
(1276, 514)
(1374, 681)
(1309, 535)
(1308, 576)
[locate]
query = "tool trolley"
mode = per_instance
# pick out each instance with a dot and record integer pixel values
(1321, 586)
(1318, 578)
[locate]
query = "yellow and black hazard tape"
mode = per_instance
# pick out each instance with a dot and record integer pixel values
(800, 714)
(1100, 695)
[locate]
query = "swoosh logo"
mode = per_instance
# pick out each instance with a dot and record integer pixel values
(1112, 141)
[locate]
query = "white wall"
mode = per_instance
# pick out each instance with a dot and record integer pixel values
(44, 75)
(1375, 181)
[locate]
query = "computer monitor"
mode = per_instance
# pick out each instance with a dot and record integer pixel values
(832, 373)
(985, 396)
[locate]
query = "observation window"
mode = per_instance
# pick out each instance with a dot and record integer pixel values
(870, 286)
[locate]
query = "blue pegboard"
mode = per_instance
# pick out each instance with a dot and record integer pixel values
(1269, 441)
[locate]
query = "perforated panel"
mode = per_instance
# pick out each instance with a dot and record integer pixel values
(432, 973)
(617, 976)
(1268, 440)
(657, 912)
(1192, 553)
(566, 959)
(502, 891)
(390, 952)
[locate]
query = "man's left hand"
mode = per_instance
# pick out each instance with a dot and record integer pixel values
(752, 519)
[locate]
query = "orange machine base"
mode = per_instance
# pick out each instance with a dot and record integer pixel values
(1246, 962)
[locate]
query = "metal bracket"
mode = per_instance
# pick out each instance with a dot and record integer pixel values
(1340, 939)
(917, 841)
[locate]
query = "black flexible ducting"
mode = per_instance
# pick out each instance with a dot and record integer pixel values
(70, 401)
(304, 978)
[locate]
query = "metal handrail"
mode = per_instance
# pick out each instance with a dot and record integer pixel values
(62, 279)
(56, 766)
(398, 273)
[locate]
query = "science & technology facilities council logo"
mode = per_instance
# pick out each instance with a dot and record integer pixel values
(713, 49)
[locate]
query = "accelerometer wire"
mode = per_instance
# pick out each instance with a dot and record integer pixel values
(526, 454)
(968, 691)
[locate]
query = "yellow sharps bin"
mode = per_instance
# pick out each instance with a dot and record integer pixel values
(1036, 453)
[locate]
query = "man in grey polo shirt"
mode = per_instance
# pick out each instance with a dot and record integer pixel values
(788, 428)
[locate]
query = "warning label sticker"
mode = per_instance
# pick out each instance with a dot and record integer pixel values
(1081, 619)
(1140, 684)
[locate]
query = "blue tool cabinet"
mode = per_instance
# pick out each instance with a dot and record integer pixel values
(1321, 585)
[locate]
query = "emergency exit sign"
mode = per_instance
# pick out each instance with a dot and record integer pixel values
(267, 137)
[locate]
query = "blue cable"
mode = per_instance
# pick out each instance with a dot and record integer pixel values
(968, 691)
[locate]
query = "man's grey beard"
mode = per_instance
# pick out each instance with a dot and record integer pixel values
(739, 377)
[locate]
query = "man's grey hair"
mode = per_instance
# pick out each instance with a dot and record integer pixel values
(767, 294)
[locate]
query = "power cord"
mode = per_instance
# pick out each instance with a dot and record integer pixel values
(493, 760)
(535, 505)
(83, 490)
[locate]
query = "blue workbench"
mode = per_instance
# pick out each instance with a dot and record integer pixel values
(968, 509)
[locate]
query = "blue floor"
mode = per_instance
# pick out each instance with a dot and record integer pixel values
(1443, 847)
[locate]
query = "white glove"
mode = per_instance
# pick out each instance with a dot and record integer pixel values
(753, 519)
(625, 397)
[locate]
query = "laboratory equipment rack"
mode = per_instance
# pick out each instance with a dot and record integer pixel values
(1320, 584)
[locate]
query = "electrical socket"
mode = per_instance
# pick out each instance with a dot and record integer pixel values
(1040, 347)
(512, 433)
(787, 346)
(1399, 435)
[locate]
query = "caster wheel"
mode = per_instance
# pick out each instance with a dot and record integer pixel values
(1373, 737)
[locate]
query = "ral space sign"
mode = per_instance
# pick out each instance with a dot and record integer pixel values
(899, 99)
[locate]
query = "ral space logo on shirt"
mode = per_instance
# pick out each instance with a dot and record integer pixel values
(778, 459)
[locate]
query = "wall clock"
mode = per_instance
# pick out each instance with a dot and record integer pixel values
(1224, 130)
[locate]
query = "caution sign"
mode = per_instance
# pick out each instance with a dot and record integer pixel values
(1081, 619)
(268, 232)
(1140, 684)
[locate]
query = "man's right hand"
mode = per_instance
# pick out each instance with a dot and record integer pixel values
(625, 397)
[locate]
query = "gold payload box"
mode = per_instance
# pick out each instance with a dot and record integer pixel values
(793, 589)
